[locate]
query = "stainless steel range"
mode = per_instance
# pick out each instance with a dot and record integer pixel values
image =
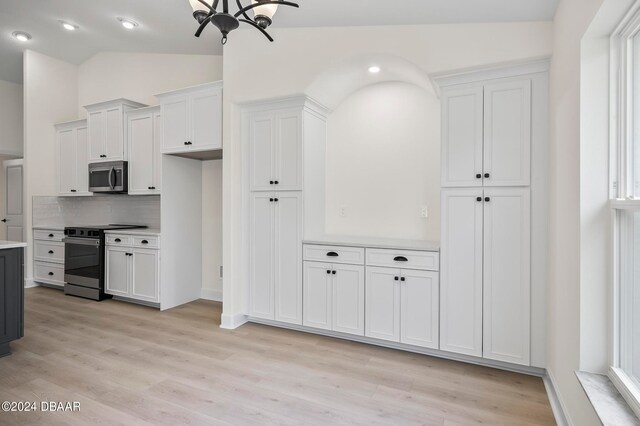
(84, 265)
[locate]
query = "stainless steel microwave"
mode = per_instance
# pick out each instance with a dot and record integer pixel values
(111, 177)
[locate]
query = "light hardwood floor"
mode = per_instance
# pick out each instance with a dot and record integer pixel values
(128, 364)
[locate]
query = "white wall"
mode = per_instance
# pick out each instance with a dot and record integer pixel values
(11, 123)
(212, 229)
(50, 96)
(383, 163)
(432, 48)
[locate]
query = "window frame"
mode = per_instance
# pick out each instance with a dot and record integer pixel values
(621, 195)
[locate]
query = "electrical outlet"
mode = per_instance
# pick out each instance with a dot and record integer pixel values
(424, 212)
(343, 211)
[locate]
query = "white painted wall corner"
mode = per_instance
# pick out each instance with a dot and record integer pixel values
(557, 406)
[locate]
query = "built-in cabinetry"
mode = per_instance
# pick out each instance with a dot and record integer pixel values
(72, 158)
(145, 161)
(286, 143)
(107, 132)
(192, 119)
(12, 290)
(132, 266)
(48, 256)
(490, 120)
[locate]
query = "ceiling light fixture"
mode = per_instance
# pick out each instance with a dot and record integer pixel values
(21, 36)
(128, 23)
(374, 69)
(69, 27)
(263, 11)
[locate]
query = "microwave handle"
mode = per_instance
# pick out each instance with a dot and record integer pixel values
(111, 176)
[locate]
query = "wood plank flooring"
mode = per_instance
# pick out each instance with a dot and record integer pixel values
(128, 364)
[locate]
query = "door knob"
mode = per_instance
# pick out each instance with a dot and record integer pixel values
(4, 220)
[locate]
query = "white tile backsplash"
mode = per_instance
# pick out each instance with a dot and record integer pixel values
(97, 210)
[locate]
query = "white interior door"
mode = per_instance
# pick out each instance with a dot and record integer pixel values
(507, 272)
(13, 219)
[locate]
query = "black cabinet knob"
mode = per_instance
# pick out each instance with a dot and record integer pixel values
(334, 272)
(276, 200)
(271, 200)
(402, 279)
(487, 175)
(50, 274)
(188, 143)
(479, 176)
(479, 199)
(276, 182)
(396, 278)
(270, 182)
(487, 199)
(50, 251)
(4, 220)
(328, 272)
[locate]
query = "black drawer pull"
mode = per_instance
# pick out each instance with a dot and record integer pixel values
(50, 251)
(332, 254)
(51, 235)
(74, 190)
(50, 274)
(400, 259)
(144, 242)
(117, 240)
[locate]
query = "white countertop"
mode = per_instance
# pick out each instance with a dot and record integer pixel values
(49, 228)
(374, 242)
(139, 231)
(11, 244)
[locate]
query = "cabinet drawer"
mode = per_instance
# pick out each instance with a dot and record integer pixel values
(334, 254)
(147, 241)
(52, 273)
(118, 240)
(49, 252)
(409, 259)
(48, 235)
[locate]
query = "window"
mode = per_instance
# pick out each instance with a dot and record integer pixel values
(625, 204)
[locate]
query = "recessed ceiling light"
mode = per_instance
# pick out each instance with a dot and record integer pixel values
(69, 27)
(128, 23)
(374, 69)
(21, 36)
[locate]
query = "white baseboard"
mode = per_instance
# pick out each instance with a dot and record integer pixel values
(231, 322)
(208, 294)
(558, 408)
(30, 283)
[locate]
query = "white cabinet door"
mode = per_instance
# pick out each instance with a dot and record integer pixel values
(262, 256)
(262, 134)
(461, 271)
(348, 299)
(507, 247)
(507, 133)
(82, 161)
(317, 285)
(382, 308)
(462, 124)
(117, 266)
(288, 151)
(141, 153)
(114, 136)
(288, 257)
(96, 122)
(67, 164)
(206, 120)
(175, 124)
(144, 275)
(157, 155)
(419, 308)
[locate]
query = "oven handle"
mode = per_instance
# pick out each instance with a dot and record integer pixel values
(112, 174)
(83, 241)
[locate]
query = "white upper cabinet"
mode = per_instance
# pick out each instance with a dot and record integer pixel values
(192, 119)
(262, 135)
(144, 133)
(486, 134)
(506, 275)
(507, 133)
(462, 125)
(72, 158)
(107, 138)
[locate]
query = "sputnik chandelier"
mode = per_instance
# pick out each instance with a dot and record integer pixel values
(263, 11)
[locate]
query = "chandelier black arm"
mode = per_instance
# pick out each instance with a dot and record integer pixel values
(215, 6)
(240, 7)
(203, 25)
(212, 9)
(253, 6)
(256, 26)
(225, 6)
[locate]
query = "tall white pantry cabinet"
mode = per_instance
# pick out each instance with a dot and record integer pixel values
(494, 128)
(286, 142)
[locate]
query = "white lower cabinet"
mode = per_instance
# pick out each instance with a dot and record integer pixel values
(48, 265)
(403, 306)
(131, 271)
(334, 297)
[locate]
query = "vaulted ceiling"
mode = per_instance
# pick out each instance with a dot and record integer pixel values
(166, 26)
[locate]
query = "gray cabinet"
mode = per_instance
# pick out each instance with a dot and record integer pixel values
(11, 297)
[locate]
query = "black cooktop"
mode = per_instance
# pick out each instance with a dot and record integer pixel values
(96, 230)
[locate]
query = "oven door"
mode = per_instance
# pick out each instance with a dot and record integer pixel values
(83, 262)
(108, 177)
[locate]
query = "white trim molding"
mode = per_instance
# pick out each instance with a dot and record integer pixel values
(29, 283)
(557, 406)
(210, 294)
(627, 389)
(231, 322)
